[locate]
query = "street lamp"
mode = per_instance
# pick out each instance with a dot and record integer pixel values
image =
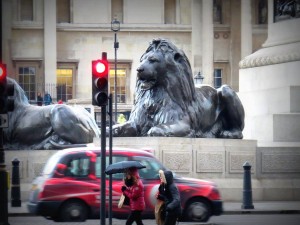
(115, 27)
(198, 78)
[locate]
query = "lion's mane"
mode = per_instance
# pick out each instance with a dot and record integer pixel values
(180, 76)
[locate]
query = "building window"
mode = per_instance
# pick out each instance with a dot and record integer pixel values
(117, 10)
(262, 12)
(26, 10)
(121, 84)
(217, 12)
(27, 80)
(170, 11)
(64, 84)
(63, 11)
(217, 78)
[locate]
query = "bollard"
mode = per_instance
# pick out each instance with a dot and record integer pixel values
(247, 189)
(15, 184)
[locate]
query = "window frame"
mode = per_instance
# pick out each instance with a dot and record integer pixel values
(74, 67)
(20, 3)
(59, 18)
(126, 67)
(39, 79)
(218, 78)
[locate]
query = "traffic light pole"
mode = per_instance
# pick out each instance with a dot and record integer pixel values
(110, 112)
(103, 166)
(3, 186)
(116, 46)
(3, 173)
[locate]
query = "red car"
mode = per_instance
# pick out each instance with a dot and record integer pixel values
(68, 189)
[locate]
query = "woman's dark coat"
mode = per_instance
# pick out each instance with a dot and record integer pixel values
(170, 195)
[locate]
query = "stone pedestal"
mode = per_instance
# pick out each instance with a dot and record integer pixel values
(270, 86)
(270, 93)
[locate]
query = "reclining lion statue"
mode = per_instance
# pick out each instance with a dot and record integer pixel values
(168, 104)
(47, 127)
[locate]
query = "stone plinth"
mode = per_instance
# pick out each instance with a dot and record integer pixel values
(197, 157)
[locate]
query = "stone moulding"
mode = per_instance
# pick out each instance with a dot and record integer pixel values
(272, 55)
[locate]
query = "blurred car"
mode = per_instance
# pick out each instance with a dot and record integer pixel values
(68, 188)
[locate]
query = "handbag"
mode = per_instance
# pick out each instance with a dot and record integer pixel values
(121, 201)
(124, 200)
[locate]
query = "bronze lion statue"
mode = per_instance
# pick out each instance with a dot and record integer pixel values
(168, 104)
(47, 127)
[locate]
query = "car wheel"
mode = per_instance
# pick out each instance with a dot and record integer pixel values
(74, 210)
(198, 210)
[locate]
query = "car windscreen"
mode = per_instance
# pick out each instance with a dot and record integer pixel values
(51, 164)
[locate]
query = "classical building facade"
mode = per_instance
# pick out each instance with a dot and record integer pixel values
(48, 45)
(254, 46)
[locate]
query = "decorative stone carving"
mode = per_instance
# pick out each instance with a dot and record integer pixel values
(269, 60)
(237, 160)
(210, 162)
(177, 161)
(280, 163)
(37, 168)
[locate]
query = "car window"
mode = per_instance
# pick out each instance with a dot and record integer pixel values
(116, 158)
(78, 167)
(152, 167)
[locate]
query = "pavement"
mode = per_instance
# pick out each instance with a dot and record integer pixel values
(265, 207)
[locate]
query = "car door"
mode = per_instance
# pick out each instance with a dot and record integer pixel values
(117, 182)
(79, 176)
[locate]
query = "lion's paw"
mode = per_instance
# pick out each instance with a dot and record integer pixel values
(156, 132)
(235, 134)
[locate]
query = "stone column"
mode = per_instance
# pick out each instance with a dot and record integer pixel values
(207, 42)
(196, 60)
(7, 17)
(246, 28)
(235, 44)
(177, 12)
(50, 57)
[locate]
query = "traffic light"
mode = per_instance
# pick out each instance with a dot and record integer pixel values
(100, 81)
(6, 92)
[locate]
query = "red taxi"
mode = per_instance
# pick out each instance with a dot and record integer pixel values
(68, 188)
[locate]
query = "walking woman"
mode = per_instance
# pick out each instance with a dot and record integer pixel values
(168, 192)
(134, 190)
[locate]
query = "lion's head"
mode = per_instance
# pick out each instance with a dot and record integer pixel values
(165, 66)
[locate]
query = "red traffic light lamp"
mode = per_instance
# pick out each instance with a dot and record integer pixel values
(2, 78)
(100, 67)
(100, 81)
(2, 87)
(6, 91)
(2, 72)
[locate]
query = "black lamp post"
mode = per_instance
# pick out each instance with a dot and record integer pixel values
(198, 78)
(115, 27)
